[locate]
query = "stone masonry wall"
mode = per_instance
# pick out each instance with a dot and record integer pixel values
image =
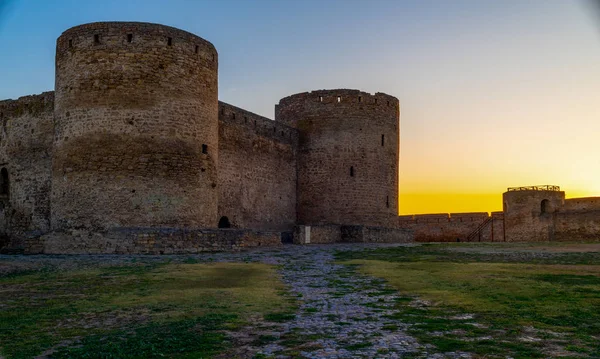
(149, 241)
(136, 142)
(529, 214)
(26, 153)
(322, 234)
(366, 234)
(581, 204)
(443, 227)
(577, 226)
(257, 170)
(347, 156)
(578, 219)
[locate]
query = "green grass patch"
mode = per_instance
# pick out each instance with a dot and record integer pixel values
(140, 310)
(476, 302)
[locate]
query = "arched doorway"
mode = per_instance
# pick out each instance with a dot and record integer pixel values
(545, 206)
(224, 222)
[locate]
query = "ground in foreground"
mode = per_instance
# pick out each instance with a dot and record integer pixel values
(330, 301)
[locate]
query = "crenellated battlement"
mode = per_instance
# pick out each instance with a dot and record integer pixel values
(133, 37)
(324, 103)
(32, 104)
(258, 124)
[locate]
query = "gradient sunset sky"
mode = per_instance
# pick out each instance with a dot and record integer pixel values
(493, 94)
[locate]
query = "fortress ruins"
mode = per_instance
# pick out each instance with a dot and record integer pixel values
(133, 153)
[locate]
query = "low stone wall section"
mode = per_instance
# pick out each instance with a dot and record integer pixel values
(444, 227)
(350, 234)
(150, 241)
(577, 226)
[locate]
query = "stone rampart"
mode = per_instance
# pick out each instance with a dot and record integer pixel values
(149, 241)
(257, 170)
(26, 135)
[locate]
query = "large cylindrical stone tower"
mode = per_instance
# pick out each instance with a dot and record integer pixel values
(136, 134)
(347, 158)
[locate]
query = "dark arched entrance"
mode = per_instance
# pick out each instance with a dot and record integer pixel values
(224, 222)
(545, 206)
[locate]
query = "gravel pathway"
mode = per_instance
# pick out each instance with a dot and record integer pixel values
(343, 314)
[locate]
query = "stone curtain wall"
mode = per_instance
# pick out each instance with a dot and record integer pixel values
(150, 241)
(257, 170)
(347, 156)
(26, 135)
(453, 227)
(136, 141)
(582, 204)
(577, 226)
(579, 219)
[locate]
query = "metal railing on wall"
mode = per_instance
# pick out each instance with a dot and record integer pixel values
(545, 187)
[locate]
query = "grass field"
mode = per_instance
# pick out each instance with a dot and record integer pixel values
(134, 311)
(494, 300)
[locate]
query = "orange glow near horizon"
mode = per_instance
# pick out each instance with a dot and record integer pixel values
(427, 203)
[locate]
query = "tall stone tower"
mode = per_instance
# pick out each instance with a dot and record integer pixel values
(136, 134)
(347, 156)
(529, 211)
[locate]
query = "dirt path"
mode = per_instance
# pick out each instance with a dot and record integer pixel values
(342, 314)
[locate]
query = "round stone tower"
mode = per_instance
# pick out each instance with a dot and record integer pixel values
(136, 128)
(347, 157)
(529, 212)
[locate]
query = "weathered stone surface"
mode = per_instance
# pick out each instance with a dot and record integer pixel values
(150, 241)
(348, 156)
(526, 216)
(350, 234)
(257, 170)
(26, 157)
(136, 136)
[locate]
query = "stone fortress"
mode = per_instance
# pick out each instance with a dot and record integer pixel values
(134, 153)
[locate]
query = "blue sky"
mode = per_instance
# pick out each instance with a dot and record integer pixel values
(493, 93)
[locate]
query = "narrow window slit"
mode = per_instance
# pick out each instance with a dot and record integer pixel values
(129, 38)
(339, 99)
(96, 39)
(169, 41)
(70, 43)
(320, 98)
(351, 171)
(359, 98)
(4, 184)
(382, 140)
(197, 49)
(204, 148)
